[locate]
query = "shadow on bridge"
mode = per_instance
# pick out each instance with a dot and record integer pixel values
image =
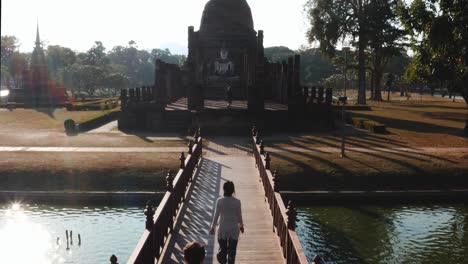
(195, 217)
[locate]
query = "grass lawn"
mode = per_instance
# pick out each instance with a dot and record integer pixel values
(86, 171)
(40, 119)
(418, 123)
(304, 171)
(40, 128)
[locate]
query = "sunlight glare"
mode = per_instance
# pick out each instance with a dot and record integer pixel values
(4, 93)
(18, 235)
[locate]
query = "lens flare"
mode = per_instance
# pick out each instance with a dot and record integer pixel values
(19, 235)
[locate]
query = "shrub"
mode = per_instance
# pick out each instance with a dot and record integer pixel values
(100, 104)
(375, 127)
(70, 126)
(98, 120)
(359, 121)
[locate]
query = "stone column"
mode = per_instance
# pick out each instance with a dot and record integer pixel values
(290, 82)
(313, 96)
(320, 95)
(191, 79)
(123, 98)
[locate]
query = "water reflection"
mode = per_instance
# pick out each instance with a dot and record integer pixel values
(386, 234)
(37, 233)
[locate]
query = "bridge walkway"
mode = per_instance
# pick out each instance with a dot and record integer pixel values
(259, 244)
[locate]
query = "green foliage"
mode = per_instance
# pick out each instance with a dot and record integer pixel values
(367, 124)
(374, 126)
(359, 121)
(315, 67)
(340, 20)
(102, 104)
(70, 126)
(59, 57)
(278, 54)
(96, 55)
(9, 44)
(439, 30)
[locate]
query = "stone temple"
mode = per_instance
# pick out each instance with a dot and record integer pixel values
(38, 90)
(225, 52)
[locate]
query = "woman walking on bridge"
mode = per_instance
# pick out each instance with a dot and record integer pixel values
(228, 209)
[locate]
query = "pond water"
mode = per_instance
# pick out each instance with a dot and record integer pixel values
(385, 234)
(37, 233)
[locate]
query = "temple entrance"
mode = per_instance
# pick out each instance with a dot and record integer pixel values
(226, 57)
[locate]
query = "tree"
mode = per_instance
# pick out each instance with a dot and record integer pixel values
(385, 39)
(86, 78)
(137, 63)
(315, 66)
(9, 44)
(58, 59)
(96, 55)
(278, 54)
(115, 82)
(439, 30)
(166, 56)
(334, 20)
(18, 63)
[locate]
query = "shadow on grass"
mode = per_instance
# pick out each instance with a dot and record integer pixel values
(47, 110)
(414, 126)
(312, 169)
(431, 104)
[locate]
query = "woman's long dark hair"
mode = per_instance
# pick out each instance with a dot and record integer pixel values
(228, 188)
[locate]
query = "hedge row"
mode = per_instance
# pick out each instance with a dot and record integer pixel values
(92, 122)
(103, 104)
(370, 125)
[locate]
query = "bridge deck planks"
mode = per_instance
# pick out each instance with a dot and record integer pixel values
(259, 244)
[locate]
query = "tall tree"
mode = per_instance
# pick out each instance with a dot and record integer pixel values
(8, 47)
(115, 82)
(18, 63)
(334, 20)
(59, 58)
(385, 37)
(439, 30)
(96, 55)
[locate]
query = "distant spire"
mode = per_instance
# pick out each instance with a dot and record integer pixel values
(38, 40)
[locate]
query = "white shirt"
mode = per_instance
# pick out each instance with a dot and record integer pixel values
(228, 209)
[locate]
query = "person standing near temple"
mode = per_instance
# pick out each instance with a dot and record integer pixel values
(228, 211)
(229, 95)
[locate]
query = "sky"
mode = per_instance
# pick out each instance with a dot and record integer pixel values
(77, 24)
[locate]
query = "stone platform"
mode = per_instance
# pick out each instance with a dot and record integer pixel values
(182, 104)
(216, 118)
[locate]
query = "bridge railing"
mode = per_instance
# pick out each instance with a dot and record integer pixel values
(284, 219)
(160, 223)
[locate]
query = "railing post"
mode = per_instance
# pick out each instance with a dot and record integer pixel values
(113, 259)
(190, 146)
(182, 160)
(123, 98)
(276, 181)
(262, 147)
(292, 216)
(169, 181)
(149, 212)
(267, 161)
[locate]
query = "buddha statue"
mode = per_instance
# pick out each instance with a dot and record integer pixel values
(223, 66)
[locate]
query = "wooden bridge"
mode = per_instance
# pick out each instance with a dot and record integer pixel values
(185, 213)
